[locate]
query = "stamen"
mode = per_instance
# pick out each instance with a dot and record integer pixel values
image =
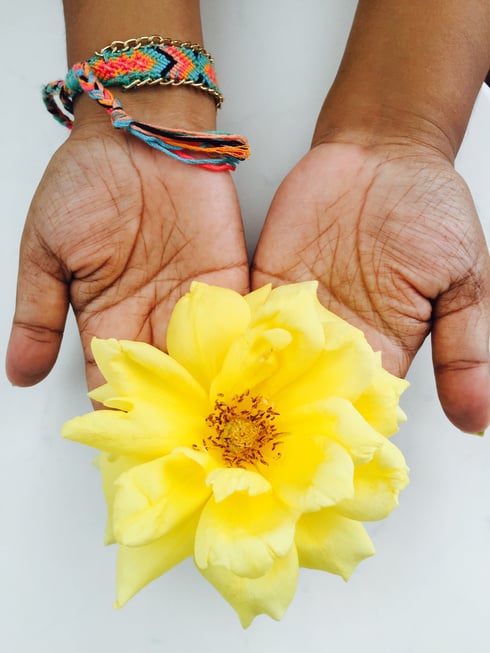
(243, 431)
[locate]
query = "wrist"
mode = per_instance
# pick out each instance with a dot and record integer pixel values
(352, 118)
(410, 73)
(94, 24)
(172, 107)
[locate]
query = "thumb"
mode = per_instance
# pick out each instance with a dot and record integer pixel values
(460, 352)
(40, 314)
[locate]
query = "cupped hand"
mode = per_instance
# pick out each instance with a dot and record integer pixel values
(393, 237)
(118, 231)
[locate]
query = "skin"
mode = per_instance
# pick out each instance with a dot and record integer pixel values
(124, 245)
(375, 211)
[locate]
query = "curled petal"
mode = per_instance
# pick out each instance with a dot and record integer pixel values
(139, 565)
(156, 497)
(269, 594)
(244, 534)
(226, 481)
(311, 473)
(251, 359)
(111, 467)
(284, 338)
(203, 325)
(105, 395)
(378, 404)
(331, 542)
(377, 485)
(292, 308)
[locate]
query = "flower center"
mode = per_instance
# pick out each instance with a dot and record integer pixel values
(242, 430)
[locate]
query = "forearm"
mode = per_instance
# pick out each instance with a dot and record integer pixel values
(93, 24)
(411, 69)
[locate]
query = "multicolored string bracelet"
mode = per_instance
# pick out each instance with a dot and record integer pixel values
(148, 61)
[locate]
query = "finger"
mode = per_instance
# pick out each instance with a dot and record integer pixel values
(40, 314)
(460, 352)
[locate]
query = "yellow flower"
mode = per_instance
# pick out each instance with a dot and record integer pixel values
(258, 444)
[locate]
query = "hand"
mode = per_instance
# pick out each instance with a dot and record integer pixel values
(118, 231)
(392, 235)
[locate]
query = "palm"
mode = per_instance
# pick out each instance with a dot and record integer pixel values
(120, 230)
(394, 240)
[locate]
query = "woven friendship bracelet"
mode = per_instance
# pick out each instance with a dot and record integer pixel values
(211, 149)
(152, 60)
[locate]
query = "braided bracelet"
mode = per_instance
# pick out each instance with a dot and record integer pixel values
(149, 61)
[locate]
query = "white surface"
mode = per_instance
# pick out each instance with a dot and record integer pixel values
(426, 590)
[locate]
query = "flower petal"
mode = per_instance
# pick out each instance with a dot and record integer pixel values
(106, 395)
(165, 406)
(338, 332)
(293, 308)
(269, 594)
(111, 467)
(256, 298)
(138, 371)
(139, 565)
(244, 534)
(311, 472)
(283, 340)
(330, 542)
(154, 498)
(376, 485)
(338, 419)
(226, 481)
(344, 372)
(378, 404)
(252, 358)
(148, 430)
(203, 325)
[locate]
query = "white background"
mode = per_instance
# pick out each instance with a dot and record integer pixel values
(426, 590)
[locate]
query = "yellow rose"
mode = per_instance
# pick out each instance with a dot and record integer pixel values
(258, 444)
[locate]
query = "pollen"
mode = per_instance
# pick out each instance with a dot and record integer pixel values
(243, 430)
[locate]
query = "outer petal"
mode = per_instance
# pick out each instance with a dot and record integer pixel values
(147, 430)
(344, 372)
(378, 404)
(244, 534)
(330, 542)
(338, 332)
(226, 481)
(311, 473)
(165, 406)
(270, 594)
(138, 371)
(111, 467)
(376, 485)
(256, 298)
(138, 566)
(338, 419)
(156, 497)
(203, 325)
